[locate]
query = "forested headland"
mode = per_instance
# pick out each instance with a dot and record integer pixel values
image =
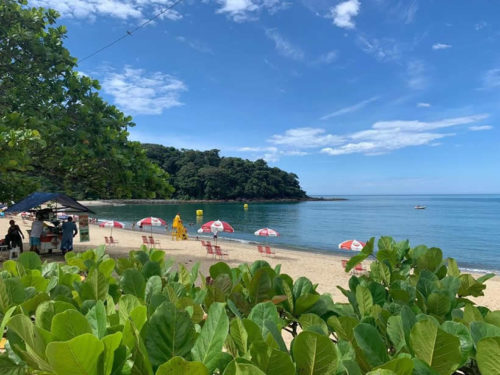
(58, 134)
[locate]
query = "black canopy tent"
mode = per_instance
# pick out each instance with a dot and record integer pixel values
(66, 204)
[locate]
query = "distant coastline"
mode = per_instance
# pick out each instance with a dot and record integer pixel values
(120, 202)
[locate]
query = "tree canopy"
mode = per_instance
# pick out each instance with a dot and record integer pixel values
(56, 132)
(206, 175)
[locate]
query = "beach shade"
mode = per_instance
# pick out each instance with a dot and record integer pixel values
(216, 226)
(111, 224)
(152, 222)
(352, 245)
(266, 232)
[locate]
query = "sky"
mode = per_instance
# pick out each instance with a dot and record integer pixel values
(355, 96)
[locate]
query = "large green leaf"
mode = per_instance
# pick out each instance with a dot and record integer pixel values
(396, 332)
(365, 253)
(237, 367)
(169, 333)
(11, 293)
(261, 285)
(488, 353)
(343, 326)
(95, 286)
(370, 342)
(46, 311)
(271, 361)
(400, 366)
(179, 366)
(262, 312)
(79, 356)
(480, 330)
(153, 287)
(97, 319)
(312, 322)
(9, 367)
(111, 343)
(305, 302)
(463, 334)
(301, 287)
(30, 260)
(69, 324)
(212, 336)
(133, 282)
(365, 300)
(314, 354)
(439, 349)
(239, 335)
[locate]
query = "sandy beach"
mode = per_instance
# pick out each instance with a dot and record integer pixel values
(323, 269)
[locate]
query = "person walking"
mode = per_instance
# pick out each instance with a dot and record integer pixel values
(15, 235)
(69, 231)
(35, 234)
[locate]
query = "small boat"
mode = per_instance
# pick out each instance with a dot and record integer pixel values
(420, 207)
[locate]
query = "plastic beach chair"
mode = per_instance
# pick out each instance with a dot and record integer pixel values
(359, 268)
(261, 250)
(154, 242)
(106, 239)
(210, 249)
(269, 251)
(145, 241)
(219, 253)
(112, 241)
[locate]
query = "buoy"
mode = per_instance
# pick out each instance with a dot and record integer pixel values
(245, 206)
(199, 212)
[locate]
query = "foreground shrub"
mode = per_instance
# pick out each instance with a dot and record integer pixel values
(411, 314)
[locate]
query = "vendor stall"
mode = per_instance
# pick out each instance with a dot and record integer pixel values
(48, 207)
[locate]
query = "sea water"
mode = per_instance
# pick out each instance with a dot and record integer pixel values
(465, 227)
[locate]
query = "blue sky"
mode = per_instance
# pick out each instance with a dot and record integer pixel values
(355, 97)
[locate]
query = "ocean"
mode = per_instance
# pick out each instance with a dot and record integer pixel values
(465, 227)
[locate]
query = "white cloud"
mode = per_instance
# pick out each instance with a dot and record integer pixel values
(248, 10)
(423, 105)
(480, 25)
(283, 46)
(123, 9)
(327, 58)
(386, 49)
(349, 109)
(381, 138)
(438, 46)
(138, 92)
(416, 75)
(344, 13)
(194, 44)
(491, 79)
(478, 128)
(305, 138)
(270, 154)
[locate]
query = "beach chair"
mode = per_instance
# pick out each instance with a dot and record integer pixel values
(204, 243)
(359, 269)
(261, 250)
(106, 239)
(210, 249)
(145, 241)
(155, 243)
(112, 241)
(269, 251)
(219, 253)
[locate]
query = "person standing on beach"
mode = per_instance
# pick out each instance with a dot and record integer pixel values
(15, 235)
(35, 234)
(69, 231)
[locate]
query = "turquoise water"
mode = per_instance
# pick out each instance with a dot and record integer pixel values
(466, 227)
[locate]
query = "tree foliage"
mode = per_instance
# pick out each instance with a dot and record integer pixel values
(409, 315)
(56, 132)
(206, 175)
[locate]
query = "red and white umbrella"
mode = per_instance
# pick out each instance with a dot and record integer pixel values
(267, 232)
(352, 245)
(111, 224)
(152, 222)
(216, 226)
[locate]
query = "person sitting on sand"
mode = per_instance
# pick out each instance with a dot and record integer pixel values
(69, 231)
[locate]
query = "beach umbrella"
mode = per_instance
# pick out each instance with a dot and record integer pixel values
(267, 232)
(152, 222)
(352, 245)
(111, 224)
(216, 226)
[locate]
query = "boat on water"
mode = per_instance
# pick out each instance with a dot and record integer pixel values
(417, 207)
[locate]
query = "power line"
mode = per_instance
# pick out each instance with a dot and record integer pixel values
(133, 31)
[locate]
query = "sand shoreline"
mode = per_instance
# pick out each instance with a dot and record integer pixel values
(322, 268)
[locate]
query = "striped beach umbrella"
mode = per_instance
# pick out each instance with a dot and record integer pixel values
(111, 224)
(352, 245)
(152, 222)
(266, 232)
(215, 226)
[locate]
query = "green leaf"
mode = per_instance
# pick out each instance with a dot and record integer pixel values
(239, 335)
(396, 332)
(97, 319)
(212, 337)
(453, 268)
(262, 312)
(219, 268)
(370, 342)
(301, 287)
(438, 304)
(364, 299)
(11, 293)
(461, 331)
(95, 286)
(305, 302)
(46, 311)
(271, 361)
(132, 282)
(237, 368)
(30, 260)
(399, 366)
(314, 354)
(343, 326)
(106, 267)
(480, 330)
(153, 287)
(365, 253)
(9, 367)
(179, 366)
(488, 353)
(69, 324)
(169, 333)
(79, 356)
(261, 285)
(312, 322)
(439, 349)
(111, 343)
